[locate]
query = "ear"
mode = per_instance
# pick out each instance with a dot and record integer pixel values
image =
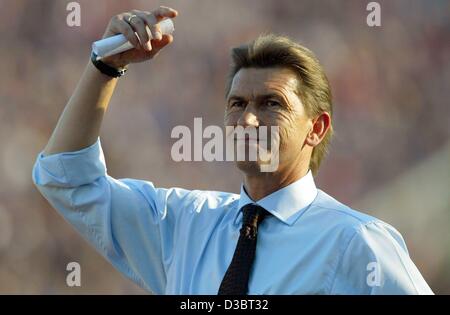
(320, 126)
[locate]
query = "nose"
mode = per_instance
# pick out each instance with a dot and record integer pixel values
(249, 117)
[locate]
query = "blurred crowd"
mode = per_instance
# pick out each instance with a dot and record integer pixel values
(391, 111)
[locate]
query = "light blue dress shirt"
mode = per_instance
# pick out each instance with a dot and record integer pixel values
(178, 241)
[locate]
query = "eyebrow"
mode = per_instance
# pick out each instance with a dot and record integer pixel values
(263, 96)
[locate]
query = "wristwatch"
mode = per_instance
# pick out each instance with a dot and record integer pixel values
(106, 69)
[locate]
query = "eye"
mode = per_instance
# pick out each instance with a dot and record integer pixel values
(273, 103)
(237, 104)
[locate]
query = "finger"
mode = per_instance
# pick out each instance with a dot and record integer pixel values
(150, 20)
(156, 32)
(126, 30)
(164, 12)
(165, 40)
(139, 26)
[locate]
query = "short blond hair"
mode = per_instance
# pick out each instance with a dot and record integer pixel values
(270, 50)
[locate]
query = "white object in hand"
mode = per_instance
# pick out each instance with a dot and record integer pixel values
(118, 43)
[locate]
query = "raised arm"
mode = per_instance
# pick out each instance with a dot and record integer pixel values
(79, 125)
(129, 221)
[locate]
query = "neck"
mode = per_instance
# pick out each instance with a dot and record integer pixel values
(260, 185)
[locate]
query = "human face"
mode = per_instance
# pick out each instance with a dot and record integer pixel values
(268, 97)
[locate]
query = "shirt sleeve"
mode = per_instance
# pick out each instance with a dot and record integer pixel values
(129, 221)
(376, 261)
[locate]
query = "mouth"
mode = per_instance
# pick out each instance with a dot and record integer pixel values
(247, 141)
(248, 138)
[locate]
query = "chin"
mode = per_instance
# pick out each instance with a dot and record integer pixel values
(249, 167)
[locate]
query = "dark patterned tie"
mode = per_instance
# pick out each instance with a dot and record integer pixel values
(235, 281)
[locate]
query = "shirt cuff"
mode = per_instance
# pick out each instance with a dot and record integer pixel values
(70, 169)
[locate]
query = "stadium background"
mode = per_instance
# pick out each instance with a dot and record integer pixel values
(390, 157)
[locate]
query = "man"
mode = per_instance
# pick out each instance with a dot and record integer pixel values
(281, 235)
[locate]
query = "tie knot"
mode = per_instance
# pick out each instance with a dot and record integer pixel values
(252, 216)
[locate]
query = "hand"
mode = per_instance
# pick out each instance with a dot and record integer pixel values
(150, 40)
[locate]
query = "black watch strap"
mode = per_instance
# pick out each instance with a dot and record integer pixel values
(105, 69)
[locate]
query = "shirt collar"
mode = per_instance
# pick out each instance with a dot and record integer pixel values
(286, 203)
